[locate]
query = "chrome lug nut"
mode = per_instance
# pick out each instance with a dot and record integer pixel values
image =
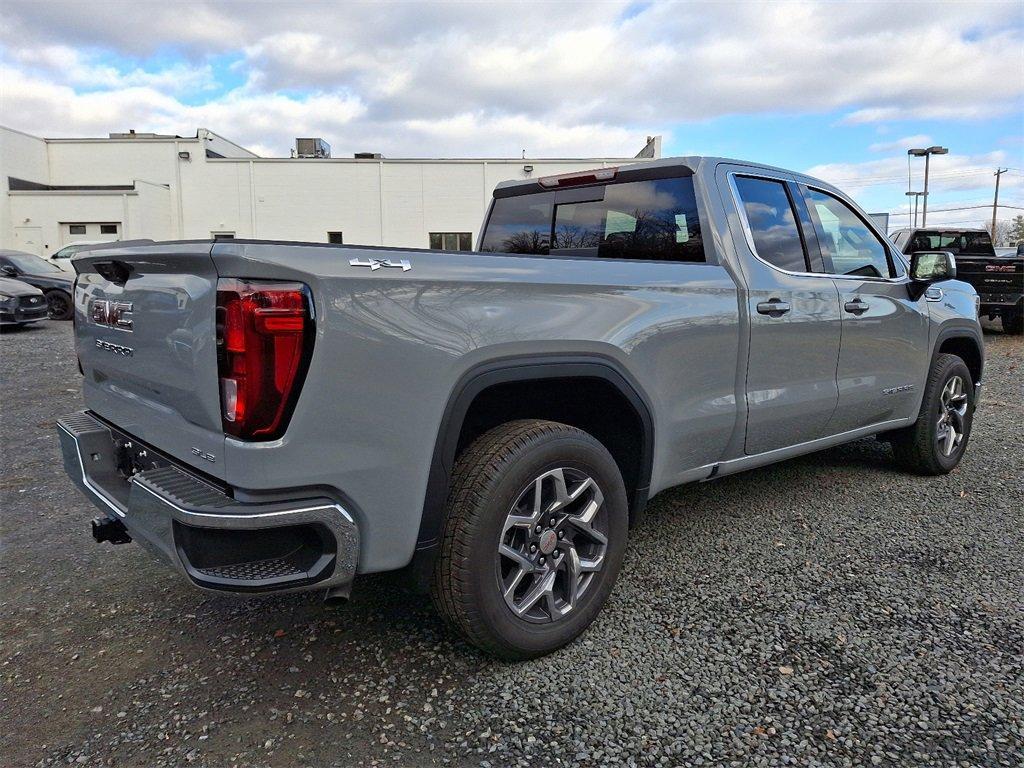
(561, 534)
(542, 561)
(533, 547)
(552, 521)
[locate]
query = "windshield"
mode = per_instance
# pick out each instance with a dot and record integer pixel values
(967, 243)
(653, 219)
(31, 265)
(70, 250)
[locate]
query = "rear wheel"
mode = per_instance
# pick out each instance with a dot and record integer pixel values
(937, 441)
(1013, 321)
(59, 305)
(534, 536)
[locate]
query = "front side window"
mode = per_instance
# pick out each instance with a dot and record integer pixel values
(772, 222)
(451, 241)
(845, 239)
(654, 220)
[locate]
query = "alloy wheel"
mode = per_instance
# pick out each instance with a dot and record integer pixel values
(552, 545)
(950, 429)
(57, 305)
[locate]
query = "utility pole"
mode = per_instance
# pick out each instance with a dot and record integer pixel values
(995, 202)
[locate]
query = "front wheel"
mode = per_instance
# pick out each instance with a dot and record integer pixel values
(935, 444)
(534, 535)
(59, 305)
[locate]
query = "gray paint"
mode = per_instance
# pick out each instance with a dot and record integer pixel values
(391, 345)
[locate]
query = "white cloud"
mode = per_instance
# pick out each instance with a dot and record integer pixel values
(562, 78)
(907, 142)
(948, 173)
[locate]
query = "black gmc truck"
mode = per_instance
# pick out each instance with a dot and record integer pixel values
(999, 280)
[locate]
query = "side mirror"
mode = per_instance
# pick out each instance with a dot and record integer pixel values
(7, 269)
(931, 266)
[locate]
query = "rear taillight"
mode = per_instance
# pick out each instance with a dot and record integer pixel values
(264, 340)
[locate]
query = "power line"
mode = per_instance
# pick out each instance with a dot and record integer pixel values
(961, 208)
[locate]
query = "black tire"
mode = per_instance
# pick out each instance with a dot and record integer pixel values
(1013, 321)
(918, 448)
(60, 305)
(492, 476)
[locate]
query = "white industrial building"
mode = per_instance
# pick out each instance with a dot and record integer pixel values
(134, 185)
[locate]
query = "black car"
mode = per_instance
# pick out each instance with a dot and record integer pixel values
(51, 280)
(999, 280)
(21, 303)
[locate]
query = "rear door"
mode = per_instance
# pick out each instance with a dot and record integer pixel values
(146, 338)
(884, 354)
(794, 315)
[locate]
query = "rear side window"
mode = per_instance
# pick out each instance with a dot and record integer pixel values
(772, 222)
(845, 239)
(653, 220)
(520, 224)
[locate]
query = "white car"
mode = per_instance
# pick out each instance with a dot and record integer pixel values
(62, 258)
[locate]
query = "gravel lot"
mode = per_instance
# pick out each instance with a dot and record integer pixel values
(826, 611)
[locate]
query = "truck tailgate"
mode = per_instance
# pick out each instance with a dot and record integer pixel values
(145, 332)
(997, 281)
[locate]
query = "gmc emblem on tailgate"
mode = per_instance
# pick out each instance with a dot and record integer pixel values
(111, 314)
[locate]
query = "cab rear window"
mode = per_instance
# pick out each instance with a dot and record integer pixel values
(973, 243)
(653, 220)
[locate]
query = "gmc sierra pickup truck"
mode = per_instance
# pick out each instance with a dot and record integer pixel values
(272, 416)
(999, 280)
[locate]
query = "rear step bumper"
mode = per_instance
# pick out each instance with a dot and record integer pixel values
(218, 543)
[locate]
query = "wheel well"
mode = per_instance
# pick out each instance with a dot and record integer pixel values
(594, 405)
(967, 350)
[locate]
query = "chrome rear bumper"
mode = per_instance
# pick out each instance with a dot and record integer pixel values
(218, 543)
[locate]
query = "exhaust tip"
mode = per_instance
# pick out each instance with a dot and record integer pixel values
(338, 596)
(108, 529)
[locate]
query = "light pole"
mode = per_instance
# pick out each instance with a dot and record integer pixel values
(914, 195)
(926, 153)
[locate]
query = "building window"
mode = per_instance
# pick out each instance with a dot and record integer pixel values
(222, 235)
(451, 241)
(108, 229)
(76, 229)
(335, 237)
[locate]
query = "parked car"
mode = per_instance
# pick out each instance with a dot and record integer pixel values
(998, 278)
(51, 280)
(276, 416)
(20, 303)
(62, 258)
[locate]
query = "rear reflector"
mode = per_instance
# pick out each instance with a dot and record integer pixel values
(583, 177)
(264, 340)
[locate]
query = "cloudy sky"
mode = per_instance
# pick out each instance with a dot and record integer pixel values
(837, 89)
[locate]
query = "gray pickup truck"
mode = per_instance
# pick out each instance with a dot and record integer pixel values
(272, 416)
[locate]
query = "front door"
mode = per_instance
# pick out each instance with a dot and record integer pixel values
(885, 332)
(29, 239)
(795, 322)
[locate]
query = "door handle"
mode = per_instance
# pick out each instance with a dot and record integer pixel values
(856, 307)
(773, 307)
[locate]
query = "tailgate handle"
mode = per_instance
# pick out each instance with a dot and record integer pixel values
(115, 271)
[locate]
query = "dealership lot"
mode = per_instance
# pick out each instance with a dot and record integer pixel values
(827, 611)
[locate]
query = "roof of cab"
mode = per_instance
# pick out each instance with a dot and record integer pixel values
(692, 162)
